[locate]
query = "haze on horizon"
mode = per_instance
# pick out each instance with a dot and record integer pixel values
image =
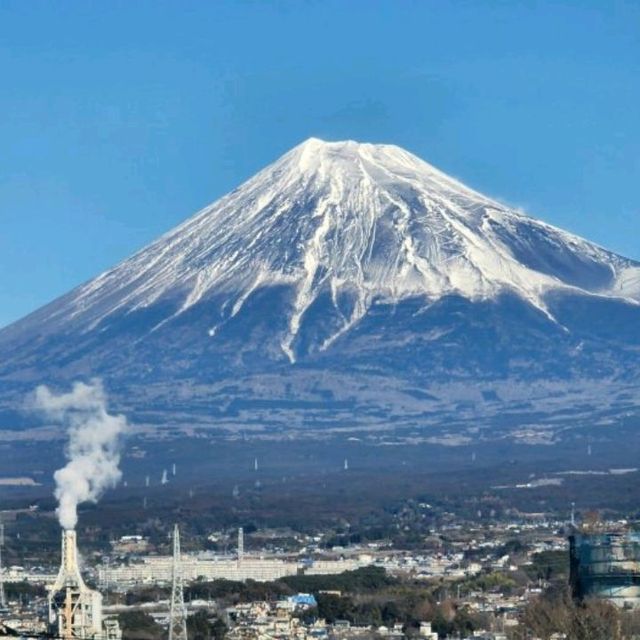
(121, 120)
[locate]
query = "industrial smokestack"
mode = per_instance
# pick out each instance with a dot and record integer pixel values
(69, 573)
(75, 611)
(93, 455)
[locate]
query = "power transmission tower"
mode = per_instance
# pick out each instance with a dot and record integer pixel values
(3, 595)
(178, 612)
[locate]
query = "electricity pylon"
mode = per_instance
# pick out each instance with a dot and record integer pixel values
(178, 612)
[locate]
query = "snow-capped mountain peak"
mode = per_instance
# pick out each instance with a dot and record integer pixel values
(406, 300)
(359, 223)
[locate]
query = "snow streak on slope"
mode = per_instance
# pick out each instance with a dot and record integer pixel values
(369, 222)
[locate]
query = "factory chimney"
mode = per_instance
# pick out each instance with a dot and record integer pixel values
(75, 611)
(69, 573)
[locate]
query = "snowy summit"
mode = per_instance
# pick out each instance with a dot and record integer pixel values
(360, 261)
(364, 222)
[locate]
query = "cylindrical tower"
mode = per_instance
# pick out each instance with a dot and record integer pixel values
(606, 565)
(75, 611)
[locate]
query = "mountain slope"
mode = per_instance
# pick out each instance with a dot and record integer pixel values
(339, 257)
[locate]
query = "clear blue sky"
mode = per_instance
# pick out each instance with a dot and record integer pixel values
(120, 119)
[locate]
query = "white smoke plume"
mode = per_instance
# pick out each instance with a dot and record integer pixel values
(93, 451)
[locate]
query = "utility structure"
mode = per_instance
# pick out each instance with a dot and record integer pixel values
(240, 545)
(606, 565)
(177, 613)
(3, 595)
(75, 611)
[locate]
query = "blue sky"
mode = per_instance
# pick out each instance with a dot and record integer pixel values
(120, 119)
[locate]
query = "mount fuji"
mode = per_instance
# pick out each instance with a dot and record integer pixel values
(346, 287)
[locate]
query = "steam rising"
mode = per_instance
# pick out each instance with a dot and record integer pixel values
(94, 445)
